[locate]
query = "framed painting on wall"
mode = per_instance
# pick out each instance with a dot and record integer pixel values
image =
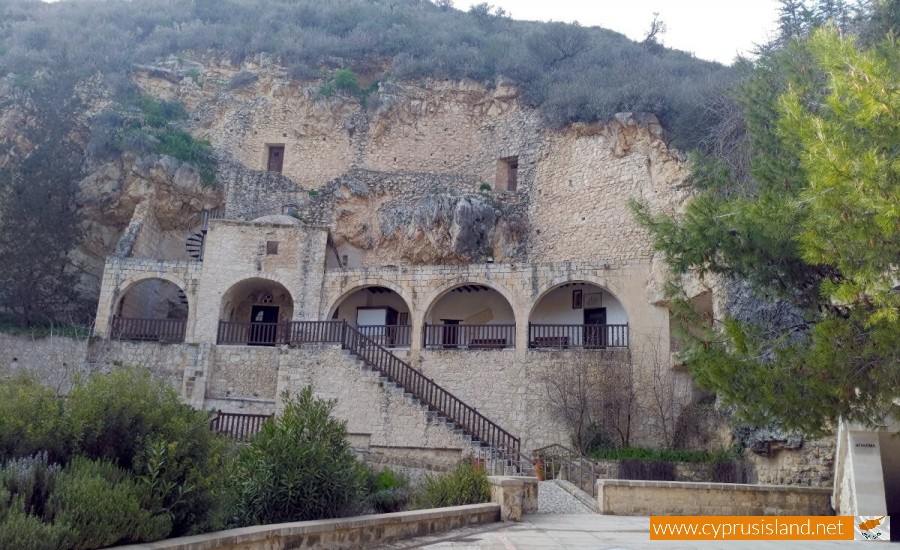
(576, 299)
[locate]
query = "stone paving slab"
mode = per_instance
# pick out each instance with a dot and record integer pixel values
(577, 532)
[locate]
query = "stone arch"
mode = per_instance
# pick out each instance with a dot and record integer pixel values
(121, 289)
(364, 283)
(555, 321)
(428, 303)
(237, 303)
(557, 282)
(488, 312)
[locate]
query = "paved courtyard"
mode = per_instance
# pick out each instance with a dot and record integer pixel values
(582, 531)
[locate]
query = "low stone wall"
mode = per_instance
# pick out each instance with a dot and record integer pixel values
(350, 533)
(676, 498)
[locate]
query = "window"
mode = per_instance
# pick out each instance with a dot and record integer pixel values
(507, 174)
(275, 158)
(271, 247)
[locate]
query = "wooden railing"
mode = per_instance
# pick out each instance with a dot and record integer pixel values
(470, 336)
(377, 357)
(293, 332)
(429, 392)
(147, 330)
(389, 336)
(239, 426)
(577, 336)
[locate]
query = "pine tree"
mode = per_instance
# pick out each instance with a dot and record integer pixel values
(820, 230)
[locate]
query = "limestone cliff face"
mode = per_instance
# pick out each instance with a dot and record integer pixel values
(420, 174)
(572, 184)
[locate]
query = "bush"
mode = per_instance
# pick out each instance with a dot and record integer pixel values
(102, 503)
(389, 491)
(26, 532)
(26, 484)
(140, 424)
(241, 80)
(653, 470)
(466, 483)
(31, 419)
(299, 467)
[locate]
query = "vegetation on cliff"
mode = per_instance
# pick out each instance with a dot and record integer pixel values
(811, 221)
(572, 73)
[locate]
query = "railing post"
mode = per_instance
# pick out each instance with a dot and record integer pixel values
(344, 334)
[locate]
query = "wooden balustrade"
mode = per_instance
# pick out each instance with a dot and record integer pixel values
(389, 336)
(240, 426)
(429, 392)
(470, 336)
(148, 330)
(270, 334)
(577, 336)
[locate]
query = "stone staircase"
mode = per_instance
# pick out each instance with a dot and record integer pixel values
(196, 236)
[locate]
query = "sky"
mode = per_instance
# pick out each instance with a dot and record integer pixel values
(716, 30)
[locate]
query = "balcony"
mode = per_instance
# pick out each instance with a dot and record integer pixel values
(148, 330)
(471, 337)
(552, 336)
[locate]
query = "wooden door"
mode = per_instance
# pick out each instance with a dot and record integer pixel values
(595, 328)
(263, 325)
(276, 158)
(450, 333)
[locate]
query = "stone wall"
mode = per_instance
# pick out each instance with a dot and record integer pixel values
(243, 371)
(237, 252)
(362, 401)
(675, 498)
(588, 174)
(336, 534)
(57, 361)
(811, 465)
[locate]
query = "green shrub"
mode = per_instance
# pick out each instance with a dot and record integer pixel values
(389, 491)
(26, 532)
(344, 80)
(102, 504)
(672, 455)
(31, 419)
(299, 467)
(485, 187)
(141, 425)
(466, 483)
(184, 147)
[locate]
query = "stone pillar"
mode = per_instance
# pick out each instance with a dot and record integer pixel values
(515, 495)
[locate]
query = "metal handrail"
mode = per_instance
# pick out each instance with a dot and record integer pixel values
(428, 391)
(568, 469)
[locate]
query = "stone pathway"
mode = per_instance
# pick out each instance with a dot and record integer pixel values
(582, 532)
(553, 499)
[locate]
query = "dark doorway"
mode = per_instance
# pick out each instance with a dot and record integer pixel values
(263, 325)
(450, 333)
(595, 328)
(276, 158)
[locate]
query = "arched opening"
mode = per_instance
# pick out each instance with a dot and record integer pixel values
(379, 313)
(151, 310)
(470, 316)
(578, 315)
(256, 312)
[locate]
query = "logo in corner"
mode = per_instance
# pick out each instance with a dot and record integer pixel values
(872, 528)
